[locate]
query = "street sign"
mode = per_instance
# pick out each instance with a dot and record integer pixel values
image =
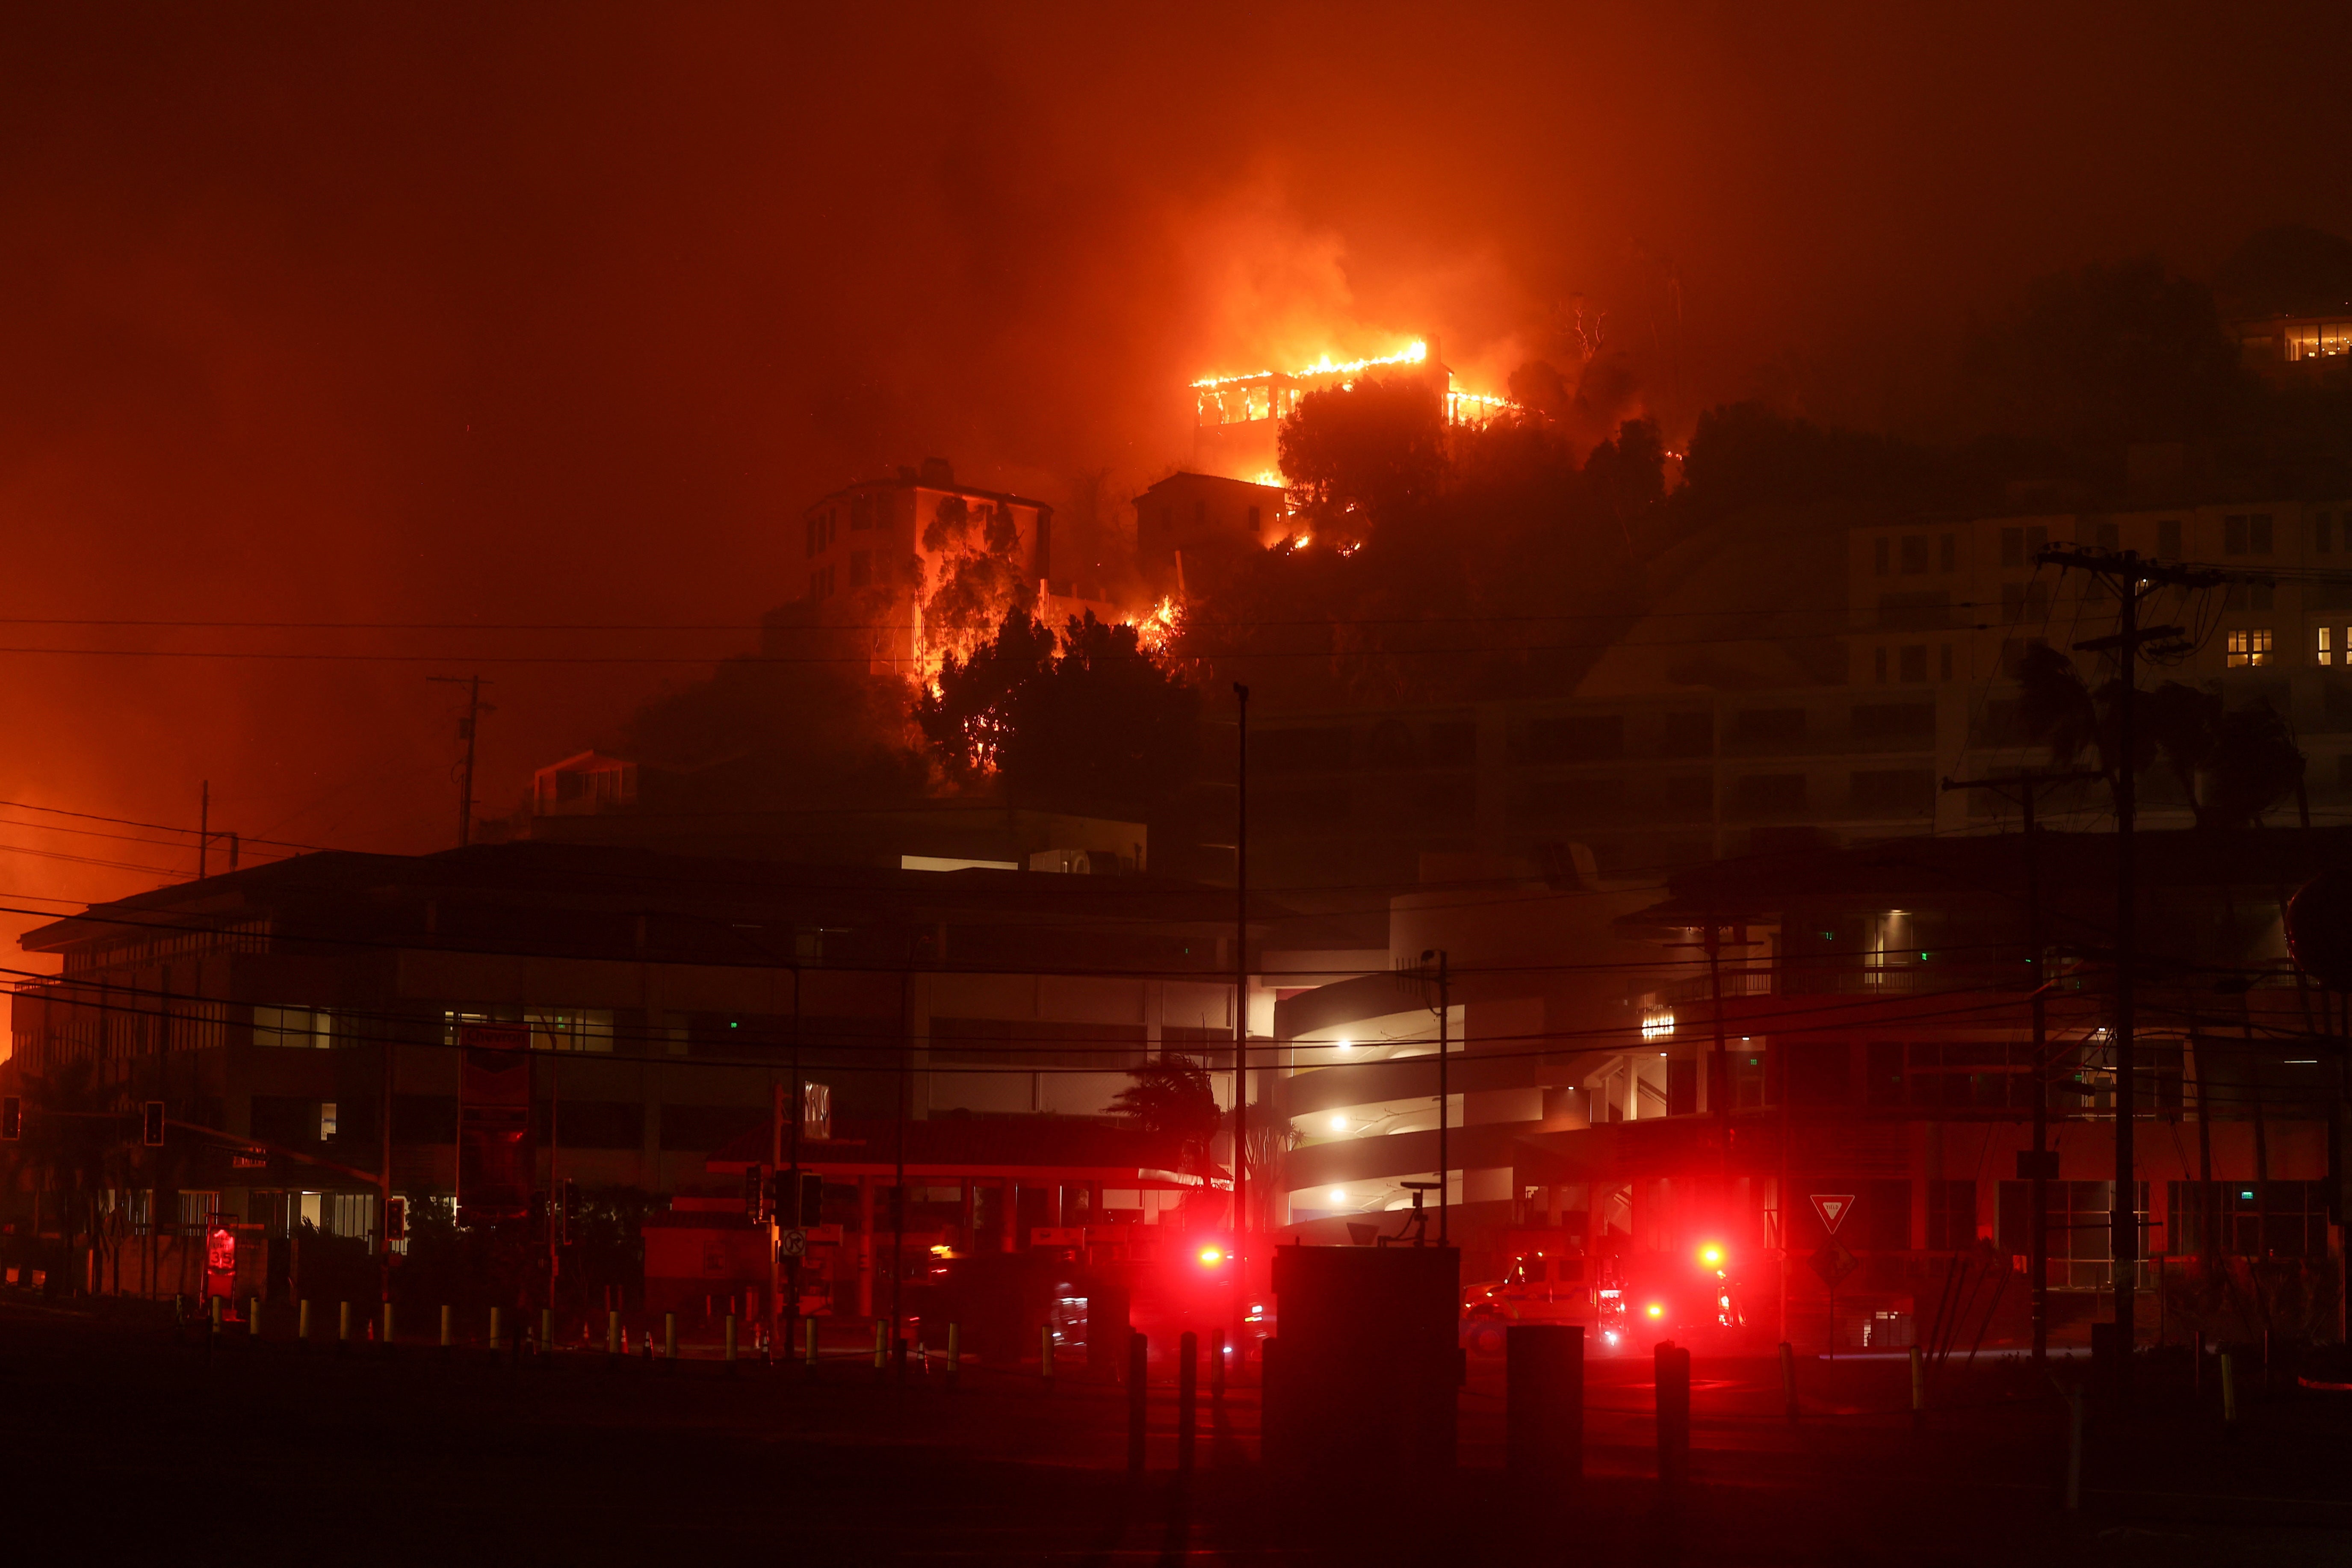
(1833, 1263)
(1832, 1207)
(791, 1244)
(248, 1160)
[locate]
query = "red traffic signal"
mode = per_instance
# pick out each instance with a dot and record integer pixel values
(755, 1195)
(151, 1124)
(395, 1219)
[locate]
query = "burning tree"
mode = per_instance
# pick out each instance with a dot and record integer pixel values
(1086, 720)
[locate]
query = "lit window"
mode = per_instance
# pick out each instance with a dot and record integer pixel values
(326, 1119)
(303, 1028)
(2326, 649)
(2250, 646)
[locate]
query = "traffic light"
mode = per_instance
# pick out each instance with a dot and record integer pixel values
(12, 1118)
(568, 1217)
(755, 1194)
(812, 1203)
(395, 1219)
(151, 1124)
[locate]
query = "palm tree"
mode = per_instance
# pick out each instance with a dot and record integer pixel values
(2233, 766)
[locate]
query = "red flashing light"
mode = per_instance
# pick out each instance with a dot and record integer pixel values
(1711, 1256)
(1210, 1257)
(1655, 1310)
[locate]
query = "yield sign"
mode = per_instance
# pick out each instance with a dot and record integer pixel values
(1832, 1207)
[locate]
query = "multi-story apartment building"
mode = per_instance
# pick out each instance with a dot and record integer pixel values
(303, 1024)
(874, 553)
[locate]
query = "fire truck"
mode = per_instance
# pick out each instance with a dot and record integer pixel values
(1088, 1292)
(1625, 1303)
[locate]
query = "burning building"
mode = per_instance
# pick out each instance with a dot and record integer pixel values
(921, 565)
(1191, 529)
(1237, 419)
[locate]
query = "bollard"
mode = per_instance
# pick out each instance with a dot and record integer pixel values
(387, 1328)
(812, 1345)
(1138, 1398)
(1217, 1369)
(1918, 1387)
(881, 1346)
(216, 1317)
(731, 1339)
(612, 1333)
(955, 1353)
(448, 1325)
(1543, 1414)
(1789, 1380)
(2073, 1449)
(546, 1329)
(1673, 1365)
(495, 1325)
(669, 1337)
(342, 1325)
(302, 1322)
(1187, 1350)
(253, 1317)
(2229, 1389)
(1045, 1355)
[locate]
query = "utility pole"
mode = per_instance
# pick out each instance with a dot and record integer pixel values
(2132, 577)
(205, 834)
(467, 726)
(2037, 1222)
(1241, 977)
(799, 1114)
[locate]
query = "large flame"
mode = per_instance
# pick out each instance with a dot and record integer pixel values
(1413, 353)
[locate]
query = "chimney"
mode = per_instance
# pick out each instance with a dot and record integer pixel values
(938, 473)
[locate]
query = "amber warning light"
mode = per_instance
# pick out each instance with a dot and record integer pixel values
(1210, 1257)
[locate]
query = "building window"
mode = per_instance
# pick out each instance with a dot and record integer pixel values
(2251, 596)
(861, 568)
(1951, 1215)
(2254, 1219)
(2318, 339)
(1253, 521)
(1878, 664)
(300, 1029)
(1914, 664)
(1878, 556)
(2168, 538)
(2249, 647)
(1948, 547)
(571, 1029)
(2328, 641)
(2246, 534)
(2018, 547)
(1915, 554)
(326, 1119)
(2107, 535)
(2081, 1255)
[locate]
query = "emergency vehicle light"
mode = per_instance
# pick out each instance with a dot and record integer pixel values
(1210, 1257)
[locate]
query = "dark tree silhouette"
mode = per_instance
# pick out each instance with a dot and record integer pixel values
(1171, 1099)
(1088, 721)
(1363, 455)
(2231, 766)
